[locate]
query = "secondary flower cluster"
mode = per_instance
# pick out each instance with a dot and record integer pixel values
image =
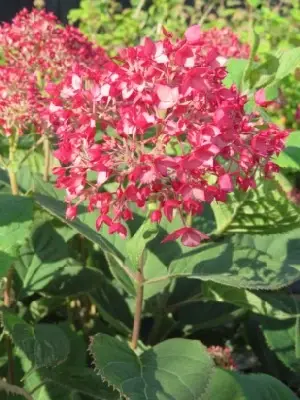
(222, 357)
(156, 126)
(223, 41)
(37, 50)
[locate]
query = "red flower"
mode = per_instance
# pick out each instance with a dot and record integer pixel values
(189, 236)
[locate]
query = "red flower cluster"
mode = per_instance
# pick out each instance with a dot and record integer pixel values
(156, 126)
(35, 42)
(223, 41)
(20, 101)
(222, 357)
(37, 50)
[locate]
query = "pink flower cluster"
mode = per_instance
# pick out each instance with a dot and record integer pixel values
(223, 41)
(222, 357)
(37, 50)
(35, 42)
(156, 126)
(20, 101)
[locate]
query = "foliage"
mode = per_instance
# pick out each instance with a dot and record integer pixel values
(128, 311)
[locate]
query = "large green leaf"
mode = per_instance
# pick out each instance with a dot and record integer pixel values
(44, 265)
(157, 373)
(58, 209)
(43, 344)
(275, 305)
(266, 262)
(177, 369)
(16, 215)
(63, 384)
(228, 385)
(290, 156)
(264, 210)
(112, 306)
(281, 337)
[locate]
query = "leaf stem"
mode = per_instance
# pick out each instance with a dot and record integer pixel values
(11, 167)
(47, 159)
(138, 303)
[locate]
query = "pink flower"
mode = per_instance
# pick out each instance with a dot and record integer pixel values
(260, 98)
(189, 236)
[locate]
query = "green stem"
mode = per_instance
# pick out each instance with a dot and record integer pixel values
(138, 304)
(47, 159)
(11, 167)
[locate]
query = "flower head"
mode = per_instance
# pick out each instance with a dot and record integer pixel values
(156, 125)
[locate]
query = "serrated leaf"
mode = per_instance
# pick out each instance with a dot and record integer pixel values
(16, 215)
(281, 338)
(264, 210)
(265, 262)
(43, 344)
(157, 373)
(229, 385)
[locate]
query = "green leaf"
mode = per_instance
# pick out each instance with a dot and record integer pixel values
(265, 262)
(16, 215)
(44, 265)
(290, 156)
(157, 373)
(112, 307)
(279, 305)
(281, 338)
(265, 210)
(235, 71)
(136, 245)
(289, 60)
(228, 385)
(58, 209)
(43, 344)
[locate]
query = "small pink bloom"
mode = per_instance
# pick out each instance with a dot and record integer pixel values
(168, 96)
(193, 34)
(190, 237)
(156, 216)
(260, 98)
(225, 183)
(71, 212)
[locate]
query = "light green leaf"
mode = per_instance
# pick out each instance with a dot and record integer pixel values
(16, 215)
(137, 244)
(157, 373)
(265, 210)
(289, 60)
(265, 262)
(228, 385)
(290, 156)
(279, 305)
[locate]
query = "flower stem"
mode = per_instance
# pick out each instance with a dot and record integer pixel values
(8, 343)
(11, 167)
(138, 304)
(47, 159)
